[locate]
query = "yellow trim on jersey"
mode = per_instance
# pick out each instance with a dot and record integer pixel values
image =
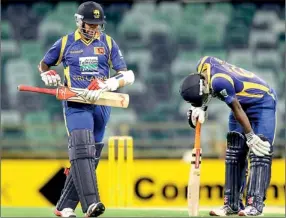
(109, 44)
(222, 75)
(249, 85)
(67, 75)
(77, 36)
(63, 45)
(202, 63)
(65, 120)
(208, 68)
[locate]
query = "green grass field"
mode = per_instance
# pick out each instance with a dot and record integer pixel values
(48, 212)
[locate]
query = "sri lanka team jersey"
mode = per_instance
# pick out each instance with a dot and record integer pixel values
(84, 60)
(228, 81)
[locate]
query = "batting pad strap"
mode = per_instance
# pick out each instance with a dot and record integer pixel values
(69, 197)
(81, 145)
(259, 180)
(235, 174)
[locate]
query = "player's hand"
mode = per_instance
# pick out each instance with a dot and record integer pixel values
(196, 113)
(51, 78)
(94, 90)
(257, 145)
(112, 84)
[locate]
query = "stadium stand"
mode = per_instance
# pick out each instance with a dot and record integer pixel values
(161, 47)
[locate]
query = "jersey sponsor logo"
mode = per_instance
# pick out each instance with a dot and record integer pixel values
(88, 65)
(76, 51)
(99, 50)
(88, 78)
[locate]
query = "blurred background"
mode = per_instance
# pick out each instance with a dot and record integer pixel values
(162, 42)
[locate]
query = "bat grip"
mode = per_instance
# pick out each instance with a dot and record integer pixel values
(198, 135)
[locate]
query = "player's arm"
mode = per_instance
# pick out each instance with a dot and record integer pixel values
(123, 76)
(224, 87)
(51, 58)
(240, 115)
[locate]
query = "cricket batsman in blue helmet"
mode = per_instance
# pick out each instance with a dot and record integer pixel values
(87, 55)
(252, 123)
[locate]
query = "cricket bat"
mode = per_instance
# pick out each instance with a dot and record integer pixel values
(194, 177)
(64, 93)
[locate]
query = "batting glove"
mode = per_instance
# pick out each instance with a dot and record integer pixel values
(94, 90)
(51, 78)
(256, 145)
(196, 113)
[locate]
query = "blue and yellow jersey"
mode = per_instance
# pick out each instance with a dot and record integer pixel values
(84, 60)
(228, 81)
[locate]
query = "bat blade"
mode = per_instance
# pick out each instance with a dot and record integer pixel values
(195, 174)
(194, 183)
(112, 99)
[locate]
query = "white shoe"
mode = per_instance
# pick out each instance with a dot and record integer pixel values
(250, 211)
(95, 210)
(223, 211)
(66, 212)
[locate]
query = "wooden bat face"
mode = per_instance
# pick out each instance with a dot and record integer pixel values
(194, 183)
(112, 99)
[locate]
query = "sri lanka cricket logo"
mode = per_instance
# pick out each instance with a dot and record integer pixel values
(96, 13)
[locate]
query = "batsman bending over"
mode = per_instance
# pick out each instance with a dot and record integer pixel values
(252, 124)
(86, 55)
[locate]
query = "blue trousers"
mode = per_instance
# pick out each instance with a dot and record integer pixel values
(84, 116)
(262, 118)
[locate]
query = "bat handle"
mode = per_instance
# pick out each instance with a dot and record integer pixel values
(60, 83)
(198, 135)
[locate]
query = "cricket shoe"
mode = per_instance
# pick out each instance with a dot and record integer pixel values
(223, 211)
(250, 211)
(95, 210)
(66, 212)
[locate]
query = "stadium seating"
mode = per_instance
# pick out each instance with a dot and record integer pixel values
(161, 42)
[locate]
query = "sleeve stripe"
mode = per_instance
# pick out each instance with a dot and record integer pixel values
(221, 75)
(109, 44)
(63, 45)
(201, 64)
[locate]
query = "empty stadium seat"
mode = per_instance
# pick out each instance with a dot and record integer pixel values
(269, 59)
(184, 64)
(17, 71)
(263, 39)
(220, 53)
(41, 8)
(169, 12)
(192, 10)
(236, 35)
(129, 30)
(122, 116)
(31, 51)
(264, 19)
(187, 38)
(211, 36)
(241, 58)
(225, 8)
(49, 32)
(141, 58)
(37, 128)
(9, 49)
(216, 18)
(144, 7)
(66, 7)
(6, 30)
